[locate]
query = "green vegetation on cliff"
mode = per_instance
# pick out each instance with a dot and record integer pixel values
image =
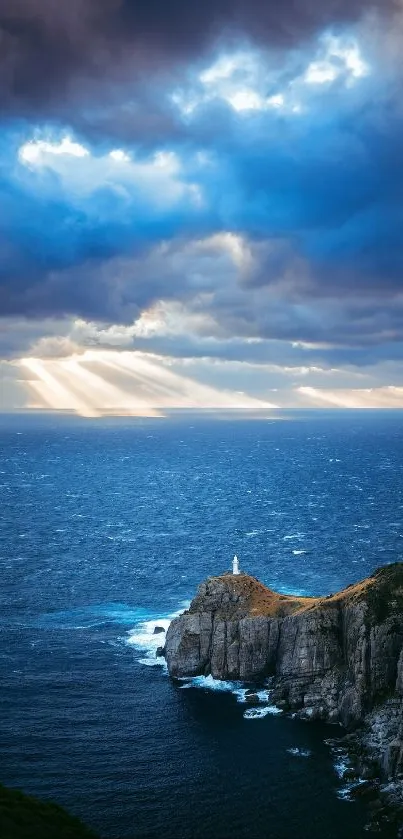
(23, 817)
(385, 597)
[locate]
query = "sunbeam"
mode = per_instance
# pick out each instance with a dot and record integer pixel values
(124, 383)
(383, 397)
(54, 394)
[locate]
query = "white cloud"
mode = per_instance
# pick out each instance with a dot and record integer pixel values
(37, 152)
(120, 155)
(228, 65)
(158, 178)
(240, 79)
(339, 57)
(243, 79)
(277, 101)
(246, 100)
(320, 72)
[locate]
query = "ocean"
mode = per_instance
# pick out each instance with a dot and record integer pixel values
(107, 528)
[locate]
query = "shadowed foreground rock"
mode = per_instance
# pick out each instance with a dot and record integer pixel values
(337, 658)
(24, 817)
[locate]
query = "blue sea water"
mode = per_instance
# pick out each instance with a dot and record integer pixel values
(107, 527)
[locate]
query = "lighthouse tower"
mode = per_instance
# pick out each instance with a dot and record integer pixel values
(235, 565)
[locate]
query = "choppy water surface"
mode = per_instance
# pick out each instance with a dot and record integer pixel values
(107, 527)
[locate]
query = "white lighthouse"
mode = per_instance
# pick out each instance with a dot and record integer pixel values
(235, 565)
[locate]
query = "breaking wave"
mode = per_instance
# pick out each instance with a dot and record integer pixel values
(259, 700)
(258, 713)
(148, 635)
(344, 769)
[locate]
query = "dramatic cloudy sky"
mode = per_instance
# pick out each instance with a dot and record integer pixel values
(201, 204)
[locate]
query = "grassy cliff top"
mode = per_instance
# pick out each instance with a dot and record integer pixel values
(239, 595)
(382, 592)
(231, 596)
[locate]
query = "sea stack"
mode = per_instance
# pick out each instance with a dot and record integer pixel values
(337, 658)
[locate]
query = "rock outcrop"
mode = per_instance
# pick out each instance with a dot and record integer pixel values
(337, 658)
(231, 630)
(24, 817)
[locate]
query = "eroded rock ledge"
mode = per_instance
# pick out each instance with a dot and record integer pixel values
(337, 658)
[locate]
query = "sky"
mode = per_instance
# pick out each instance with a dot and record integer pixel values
(201, 205)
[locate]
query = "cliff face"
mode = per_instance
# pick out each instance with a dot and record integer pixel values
(338, 658)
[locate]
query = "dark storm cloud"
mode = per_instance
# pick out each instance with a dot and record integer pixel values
(333, 275)
(17, 335)
(317, 196)
(63, 252)
(52, 51)
(331, 185)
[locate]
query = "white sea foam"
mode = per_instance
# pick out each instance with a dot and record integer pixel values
(346, 793)
(220, 685)
(258, 713)
(146, 641)
(154, 662)
(264, 695)
(341, 766)
(344, 769)
(237, 688)
(296, 752)
(298, 553)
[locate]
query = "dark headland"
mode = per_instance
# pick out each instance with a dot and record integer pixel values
(24, 817)
(337, 658)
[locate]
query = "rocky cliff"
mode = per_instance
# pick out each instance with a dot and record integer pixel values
(337, 658)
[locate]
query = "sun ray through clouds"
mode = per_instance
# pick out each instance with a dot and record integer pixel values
(124, 383)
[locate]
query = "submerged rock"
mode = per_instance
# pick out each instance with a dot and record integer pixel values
(251, 696)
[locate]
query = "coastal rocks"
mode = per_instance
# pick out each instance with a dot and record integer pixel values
(251, 696)
(222, 633)
(381, 736)
(183, 647)
(308, 659)
(337, 658)
(203, 645)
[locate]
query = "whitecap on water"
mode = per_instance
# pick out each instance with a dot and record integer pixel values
(346, 792)
(341, 766)
(344, 770)
(220, 685)
(296, 752)
(257, 713)
(146, 640)
(263, 695)
(238, 689)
